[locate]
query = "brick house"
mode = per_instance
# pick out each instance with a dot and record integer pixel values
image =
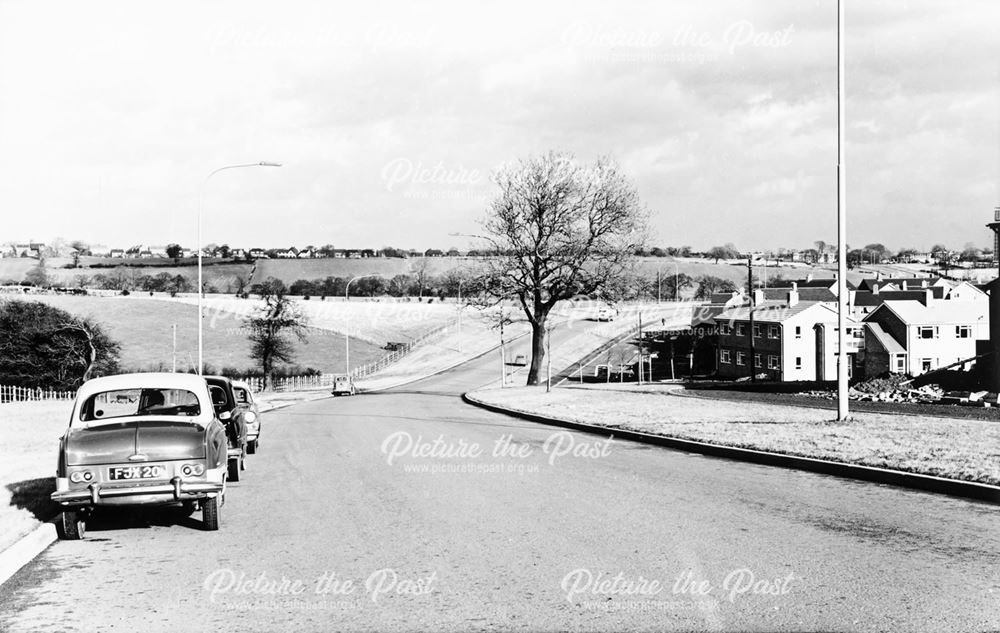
(787, 345)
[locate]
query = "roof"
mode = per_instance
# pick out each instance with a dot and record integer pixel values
(887, 342)
(774, 311)
(780, 293)
(868, 282)
(863, 298)
(937, 313)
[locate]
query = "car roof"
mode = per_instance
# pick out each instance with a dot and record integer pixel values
(162, 380)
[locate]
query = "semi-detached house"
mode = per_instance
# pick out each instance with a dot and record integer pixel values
(908, 337)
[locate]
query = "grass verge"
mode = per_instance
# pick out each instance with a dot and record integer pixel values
(967, 450)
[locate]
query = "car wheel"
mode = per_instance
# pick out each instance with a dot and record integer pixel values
(251, 447)
(234, 469)
(210, 513)
(71, 526)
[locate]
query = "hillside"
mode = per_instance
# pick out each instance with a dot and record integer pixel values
(222, 275)
(144, 328)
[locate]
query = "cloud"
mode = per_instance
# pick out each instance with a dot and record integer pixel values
(723, 112)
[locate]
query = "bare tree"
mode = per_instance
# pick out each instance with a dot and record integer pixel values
(269, 326)
(420, 271)
(561, 230)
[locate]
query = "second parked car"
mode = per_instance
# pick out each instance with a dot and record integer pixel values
(229, 412)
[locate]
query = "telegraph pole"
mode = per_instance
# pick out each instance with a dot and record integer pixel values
(752, 360)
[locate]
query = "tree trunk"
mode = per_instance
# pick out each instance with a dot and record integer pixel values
(537, 351)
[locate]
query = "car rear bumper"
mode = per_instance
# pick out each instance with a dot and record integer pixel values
(113, 494)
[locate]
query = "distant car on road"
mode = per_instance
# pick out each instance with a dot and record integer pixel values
(520, 360)
(228, 411)
(343, 385)
(141, 439)
(606, 314)
(251, 414)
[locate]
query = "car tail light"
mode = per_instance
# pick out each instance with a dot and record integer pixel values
(81, 476)
(192, 469)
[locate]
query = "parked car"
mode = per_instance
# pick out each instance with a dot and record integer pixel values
(226, 409)
(520, 360)
(141, 439)
(251, 414)
(343, 385)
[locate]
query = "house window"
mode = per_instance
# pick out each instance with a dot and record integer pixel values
(756, 331)
(758, 361)
(963, 331)
(798, 362)
(773, 331)
(926, 331)
(773, 362)
(741, 358)
(926, 364)
(900, 364)
(725, 328)
(725, 356)
(741, 329)
(798, 331)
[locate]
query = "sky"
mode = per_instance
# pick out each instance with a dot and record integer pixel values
(389, 117)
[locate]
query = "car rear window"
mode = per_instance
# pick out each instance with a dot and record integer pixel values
(242, 395)
(124, 403)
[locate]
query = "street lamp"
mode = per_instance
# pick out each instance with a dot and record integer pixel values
(347, 322)
(201, 195)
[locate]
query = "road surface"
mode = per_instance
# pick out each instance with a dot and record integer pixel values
(377, 513)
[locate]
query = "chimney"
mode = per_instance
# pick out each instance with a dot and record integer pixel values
(793, 295)
(874, 289)
(904, 285)
(878, 275)
(923, 283)
(758, 296)
(809, 277)
(928, 296)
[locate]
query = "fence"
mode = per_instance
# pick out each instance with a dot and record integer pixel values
(295, 383)
(9, 393)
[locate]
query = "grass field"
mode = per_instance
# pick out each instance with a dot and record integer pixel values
(221, 275)
(958, 449)
(143, 327)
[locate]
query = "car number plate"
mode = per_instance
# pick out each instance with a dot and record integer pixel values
(146, 471)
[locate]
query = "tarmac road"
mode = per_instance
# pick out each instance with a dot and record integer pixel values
(558, 531)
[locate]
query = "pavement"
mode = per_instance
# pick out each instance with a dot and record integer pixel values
(410, 510)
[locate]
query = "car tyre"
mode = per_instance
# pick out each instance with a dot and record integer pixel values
(251, 447)
(234, 469)
(71, 525)
(210, 513)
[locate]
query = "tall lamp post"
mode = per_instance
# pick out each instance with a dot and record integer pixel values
(842, 360)
(201, 196)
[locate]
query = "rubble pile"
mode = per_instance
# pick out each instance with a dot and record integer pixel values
(899, 390)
